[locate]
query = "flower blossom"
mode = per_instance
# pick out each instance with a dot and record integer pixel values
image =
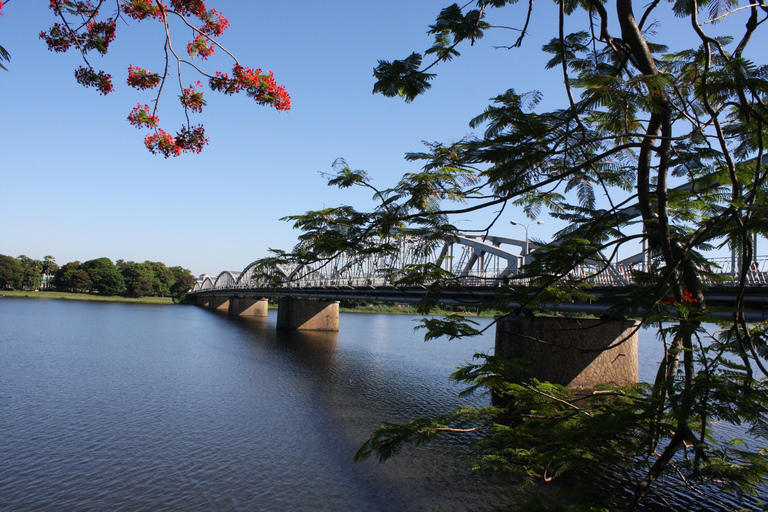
(189, 7)
(141, 9)
(214, 24)
(258, 85)
(200, 46)
(99, 35)
(191, 98)
(89, 78)
(141, 118)
(187, 140)
(142, 79)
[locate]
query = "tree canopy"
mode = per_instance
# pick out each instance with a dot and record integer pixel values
(650, 148)
(90, 27)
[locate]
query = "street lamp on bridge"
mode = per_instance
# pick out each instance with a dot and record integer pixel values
(526, 226)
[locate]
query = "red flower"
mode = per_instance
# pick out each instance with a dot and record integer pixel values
(58, 38)
(191, 139)
(162, 143)
(258, 85)
(141, 78)
(191, 98)
(214, 24)
(89, 78)
(688, 298)
(187, 140)
(200, 46)
(99, 36)
(189, 7)
(140, 117)
(141, 9)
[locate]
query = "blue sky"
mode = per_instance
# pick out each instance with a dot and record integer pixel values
(78, 183)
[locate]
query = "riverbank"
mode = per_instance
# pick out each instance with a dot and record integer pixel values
(390, 309)
(85, 296)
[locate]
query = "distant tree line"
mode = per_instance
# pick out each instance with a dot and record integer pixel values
(101, 275)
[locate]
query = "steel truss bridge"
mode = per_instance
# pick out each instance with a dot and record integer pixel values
(480, 263)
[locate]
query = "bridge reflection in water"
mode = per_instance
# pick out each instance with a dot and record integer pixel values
(481, 265)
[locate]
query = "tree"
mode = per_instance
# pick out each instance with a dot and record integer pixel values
(183, 281)
(49, 265)
(105, 277)
(162, 278)
(138, 279)
(636, 120)
(32, 272)
(72, 277)
(11, 272)
(82, 26)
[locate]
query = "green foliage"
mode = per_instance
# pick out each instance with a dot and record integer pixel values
(402, 78)
(4, 56)
(653, 150)
(11, 272)
(72, 277)
(105, 276)
(138, 279)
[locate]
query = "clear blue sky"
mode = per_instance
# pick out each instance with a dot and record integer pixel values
(78, 184)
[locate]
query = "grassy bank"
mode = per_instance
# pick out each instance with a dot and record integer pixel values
(86, 296)
(391, 309)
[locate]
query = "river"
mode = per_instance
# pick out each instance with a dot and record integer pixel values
(123, 407)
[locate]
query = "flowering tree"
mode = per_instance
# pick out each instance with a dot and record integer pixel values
(634, 118)
(82, 26)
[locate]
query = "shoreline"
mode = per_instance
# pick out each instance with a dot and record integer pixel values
(389, 309)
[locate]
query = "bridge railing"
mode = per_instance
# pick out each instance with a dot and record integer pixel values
(480, 263)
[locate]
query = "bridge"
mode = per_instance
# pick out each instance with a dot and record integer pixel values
(577, 353)
(480, 263)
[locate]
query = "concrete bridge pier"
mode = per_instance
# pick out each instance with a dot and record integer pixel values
(202, 300)
(248, 306)
(218, 303)
(307, 315)
(577, 353)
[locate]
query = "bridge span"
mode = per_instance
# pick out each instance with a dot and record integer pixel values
(575, 352)
(480, 264)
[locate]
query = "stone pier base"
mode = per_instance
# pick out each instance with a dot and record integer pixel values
(577, 353)
(307, 315)
(219, 303)
(247, 306)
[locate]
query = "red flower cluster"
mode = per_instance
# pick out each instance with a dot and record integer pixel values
(76, 7)
(687, 299)
(189, 7)
(191, 139)
(99, 35)
(214, 24)
(162, 143)
(187, 140)
(142, 79)
(87, 77)
(258, 85)
(141, 118)
(57, 38)
(141, 9)
(200, 46)
(191, 98)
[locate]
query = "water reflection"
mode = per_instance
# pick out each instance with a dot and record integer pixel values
(116, 407)
(125, 408)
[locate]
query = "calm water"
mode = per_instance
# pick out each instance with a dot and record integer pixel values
(124, 407)
(144, 408)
